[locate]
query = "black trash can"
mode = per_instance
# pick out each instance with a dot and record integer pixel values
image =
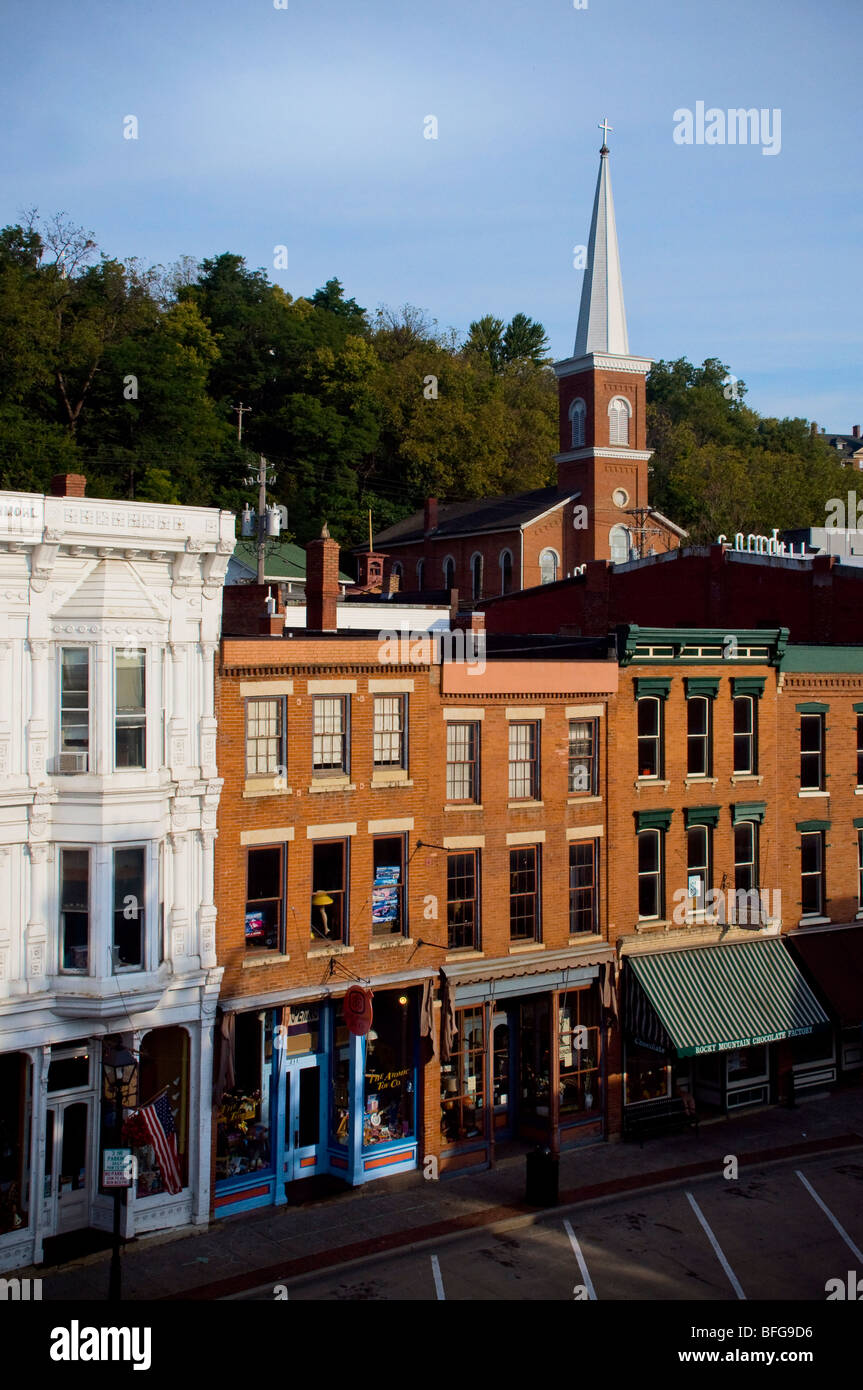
(543, 1177)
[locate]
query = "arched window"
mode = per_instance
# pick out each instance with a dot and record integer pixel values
(505, 572)
(619, 412)
(619, 542)
(449, 573)
(577, 415)
(420, 568)
(548, 566)
(476, 575)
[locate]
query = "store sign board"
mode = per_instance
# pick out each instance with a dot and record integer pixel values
(358, 1010)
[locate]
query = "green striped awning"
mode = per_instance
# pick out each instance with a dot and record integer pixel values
(714, 998)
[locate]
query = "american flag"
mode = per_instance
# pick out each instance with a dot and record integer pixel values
(159, 1123)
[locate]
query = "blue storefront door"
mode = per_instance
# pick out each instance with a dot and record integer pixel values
(302, 1118)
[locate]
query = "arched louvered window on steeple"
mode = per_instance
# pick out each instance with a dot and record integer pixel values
(619, 411)
(619, 542)
(577, 416)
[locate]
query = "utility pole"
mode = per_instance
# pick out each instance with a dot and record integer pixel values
(266, 522)
(241, 410)
(262, 517)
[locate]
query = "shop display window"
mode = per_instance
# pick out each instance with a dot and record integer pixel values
(463, 1081)
(747, 1064)
(388, 1083)
(648, 1075)
(578, 1051)
(817, 1048)
(535, 1061)
(302, 1029)
(163, 1065)
(14, 1140)
(340, 1081)
(243, 1114)
(500, 1061)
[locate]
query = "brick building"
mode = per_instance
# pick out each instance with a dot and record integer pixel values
(400, 819)
(741, 776)
(599, 507)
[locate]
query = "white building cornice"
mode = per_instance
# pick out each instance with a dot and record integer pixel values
(604, 362)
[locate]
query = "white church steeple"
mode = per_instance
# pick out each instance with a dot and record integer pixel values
(602, 317)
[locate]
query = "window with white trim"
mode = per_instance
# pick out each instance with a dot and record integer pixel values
(577, 416)
(619, 411)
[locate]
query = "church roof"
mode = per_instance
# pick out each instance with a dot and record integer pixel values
(471, 518)
(601, 316)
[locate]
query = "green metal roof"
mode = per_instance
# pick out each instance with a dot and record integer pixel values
(283, 561)
(715, 998)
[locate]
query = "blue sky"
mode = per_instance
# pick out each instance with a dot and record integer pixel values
(304, 127)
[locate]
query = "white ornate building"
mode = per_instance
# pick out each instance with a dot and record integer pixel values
(109, 623)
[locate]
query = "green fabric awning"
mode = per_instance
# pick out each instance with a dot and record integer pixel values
(715, 998)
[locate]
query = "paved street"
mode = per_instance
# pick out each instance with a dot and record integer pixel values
(771, 1240)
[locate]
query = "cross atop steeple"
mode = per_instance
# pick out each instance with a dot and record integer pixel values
(605, 128)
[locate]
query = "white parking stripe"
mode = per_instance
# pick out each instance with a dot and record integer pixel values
(857, 1253)
(586, 1279)
(717, 1249)
(438, 1281)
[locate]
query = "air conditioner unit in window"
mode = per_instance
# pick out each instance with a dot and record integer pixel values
(72, 762)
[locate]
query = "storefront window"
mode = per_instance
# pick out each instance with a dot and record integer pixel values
(388, 1084)
(535, 1052)
(14, 1141)
(302, 1029)
(341, 1079)
(747, 1063)
(462, 1080)
(163, 1070)
(500, 1060)
(243, 1115)
(817, 1047)
(647, 1075)
(578, 1051)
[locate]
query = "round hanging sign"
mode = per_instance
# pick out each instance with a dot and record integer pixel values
(358, 1010)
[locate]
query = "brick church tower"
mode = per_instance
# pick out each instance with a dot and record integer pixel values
(603, 409)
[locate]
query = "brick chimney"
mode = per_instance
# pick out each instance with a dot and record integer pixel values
(855, 431)
(245, 610)
(322, 583)
(68, 485)
(430, 515)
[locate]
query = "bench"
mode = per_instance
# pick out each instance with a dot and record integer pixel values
(652, 1117)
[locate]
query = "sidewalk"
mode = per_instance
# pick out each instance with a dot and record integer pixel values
(278, 1243)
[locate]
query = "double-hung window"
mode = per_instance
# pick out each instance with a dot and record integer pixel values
(130, 709)
(130, 867)
(524, 921)
(524, 761)
(745, 747)
(462, 762)
(389, 736)
(329, 904)
(74, 909)
(583, 875)
(697, 869)
(265, 896)
(860, 750)
(649, 736)
(330, 737)
(651, 896)
(812, 879)
(812, 752)
(74, 709)
(388, 888)
(462, 900)
(698, 712)
(747, 908)
(583, 756)
(265, 738)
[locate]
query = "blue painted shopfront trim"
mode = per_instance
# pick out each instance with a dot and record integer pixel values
(353, 1163)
